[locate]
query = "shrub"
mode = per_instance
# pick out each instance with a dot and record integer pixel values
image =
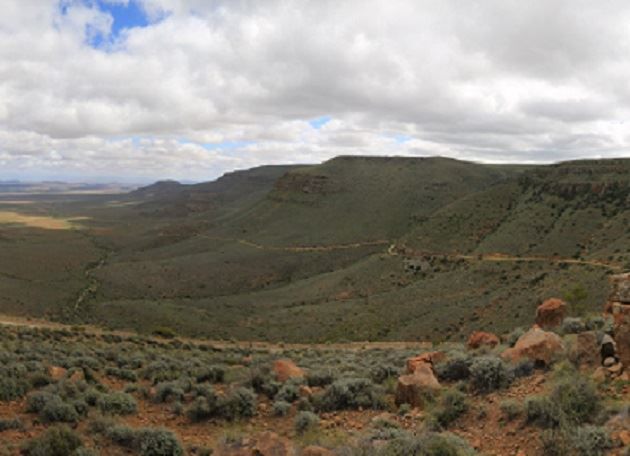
(201, 409)
(212, 374)
(117, 404)
(573, 325)
(56, 410)
(288, 393)
(379, 374)
(524, 368)
(121, 435)
(12, 389)
(157, 442)
(56, 441)
(542, 411)
(576, 398)
(305, 421)
(319, 378)
(455, 368)
(430, 444)
(123, 374)
(281, 408)
(452, 403)
(165, 332)
(13, 423)
(590, 440)
(510, 409)
(489, 373)
(168, 391)
(241, 403)
(350, 393)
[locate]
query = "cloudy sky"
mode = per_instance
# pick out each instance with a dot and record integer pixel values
(136, 90)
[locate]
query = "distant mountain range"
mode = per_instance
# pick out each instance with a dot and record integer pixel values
(50, 187)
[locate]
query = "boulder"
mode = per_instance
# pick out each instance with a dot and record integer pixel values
(285, 369)
(481, 338)
(537, 345)
(620, 284)
(56, 372)
(425, 358)
(413, 389)
(621, 328)
(551, 313)
(586, 352)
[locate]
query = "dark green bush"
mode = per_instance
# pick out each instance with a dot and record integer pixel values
(511, 409)
(281, 408)
(455, 368)
(451, 404)
(489, 373)
(55, 441)
(305, 421)
(240, 403)
(57, 410)
(117, 404)
(430, 444)
(157, 442)
(12, 423)
(211, 374)
(319, 378)
(352, 393)
(590, 440)
(12, 389)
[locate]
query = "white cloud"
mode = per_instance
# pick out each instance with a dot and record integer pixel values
(496, 80)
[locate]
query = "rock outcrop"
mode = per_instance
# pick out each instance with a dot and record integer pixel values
(619, 306)
(538, 345)
(414, 389)
(481, 338)
(284, 369)
(425, 358)
(551, 313)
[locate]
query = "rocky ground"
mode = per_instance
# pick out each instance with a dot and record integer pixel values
(560, 387)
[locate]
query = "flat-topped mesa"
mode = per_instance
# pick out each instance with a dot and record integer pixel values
(619, 306)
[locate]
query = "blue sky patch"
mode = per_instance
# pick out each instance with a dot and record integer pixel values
(223, 145)
(319, 122)
(124, 17)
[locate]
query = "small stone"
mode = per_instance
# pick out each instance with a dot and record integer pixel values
(609, 361)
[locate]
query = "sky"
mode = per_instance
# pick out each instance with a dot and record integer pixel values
(140, 90)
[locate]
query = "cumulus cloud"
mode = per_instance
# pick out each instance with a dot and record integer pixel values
(205, 86)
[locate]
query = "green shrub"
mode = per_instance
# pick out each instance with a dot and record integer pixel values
(120, 435)
(573, 325)
(305, 421)
(12, 423)
(12, 389)
(117, 404)
(590, 440)
(319, 378)
(489, 373)
(430, 444)
(542, 411)
(123, 374)
(380, 374)
(57, 411)
(55, 441)
(281, 408)
(451, 404)
(353, 393)
(577, 399)
(157, 442)
(511, 409)
(455, 368)
(165, 332)
(289, 392)
(240, 403)
(168, 391)
(211, 374)
(513, 336)
(202, 408)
